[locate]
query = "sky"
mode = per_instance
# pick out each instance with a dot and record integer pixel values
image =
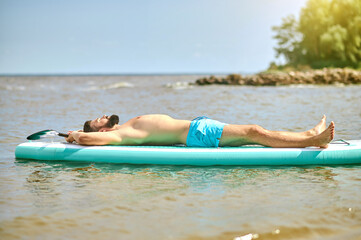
(140, 36)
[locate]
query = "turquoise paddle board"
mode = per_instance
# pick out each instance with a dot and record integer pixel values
(337, 153)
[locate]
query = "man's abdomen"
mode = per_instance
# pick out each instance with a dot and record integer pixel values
(159, 130)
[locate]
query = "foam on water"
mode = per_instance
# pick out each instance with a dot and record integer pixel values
(179, 85)
(110, 86)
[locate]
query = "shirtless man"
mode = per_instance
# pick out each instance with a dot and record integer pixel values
(159, 129)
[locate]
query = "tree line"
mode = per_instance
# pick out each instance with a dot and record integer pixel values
(327, 34)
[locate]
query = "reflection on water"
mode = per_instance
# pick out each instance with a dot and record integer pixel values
(204, 199)
(193, 202)
(64, 200)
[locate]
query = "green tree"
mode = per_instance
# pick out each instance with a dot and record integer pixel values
(314, 19)
(332, 43)
(328, 33)
(288, 40)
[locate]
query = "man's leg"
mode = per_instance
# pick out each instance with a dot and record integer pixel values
(237, 135)
(319, 128)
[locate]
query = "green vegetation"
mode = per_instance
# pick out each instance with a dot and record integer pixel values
(328, 34)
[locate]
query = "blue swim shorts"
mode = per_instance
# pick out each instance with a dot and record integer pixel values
(204, 132)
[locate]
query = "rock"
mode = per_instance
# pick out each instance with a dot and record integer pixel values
(336, 76)
(233, 79)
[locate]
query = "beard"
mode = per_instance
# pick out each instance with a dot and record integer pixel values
(113, 119)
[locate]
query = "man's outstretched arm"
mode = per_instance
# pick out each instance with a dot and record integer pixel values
(94, 138)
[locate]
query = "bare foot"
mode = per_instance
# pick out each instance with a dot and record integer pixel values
(319, 128)
(323, 139)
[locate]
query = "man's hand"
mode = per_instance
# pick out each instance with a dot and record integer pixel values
(71, 134)
(70, 137)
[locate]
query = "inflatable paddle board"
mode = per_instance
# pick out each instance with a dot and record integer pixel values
(337, 153)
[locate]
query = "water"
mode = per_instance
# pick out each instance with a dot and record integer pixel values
(56, 200)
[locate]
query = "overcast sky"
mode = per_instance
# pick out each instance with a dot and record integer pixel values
(139, 36)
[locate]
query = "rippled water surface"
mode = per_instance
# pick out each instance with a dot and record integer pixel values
(57, 200)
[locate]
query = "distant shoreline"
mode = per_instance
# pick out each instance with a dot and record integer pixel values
(325, 76)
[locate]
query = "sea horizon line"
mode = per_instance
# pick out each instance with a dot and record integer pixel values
(115, 74)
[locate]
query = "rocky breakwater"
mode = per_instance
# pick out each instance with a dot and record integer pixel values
(326, 76)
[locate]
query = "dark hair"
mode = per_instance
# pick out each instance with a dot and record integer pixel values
(113, 119)
(87, 127)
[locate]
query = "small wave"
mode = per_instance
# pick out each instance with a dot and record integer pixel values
(13, 88)
(179, 85)
(316, 86)
(302, 86)
(111, 86)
